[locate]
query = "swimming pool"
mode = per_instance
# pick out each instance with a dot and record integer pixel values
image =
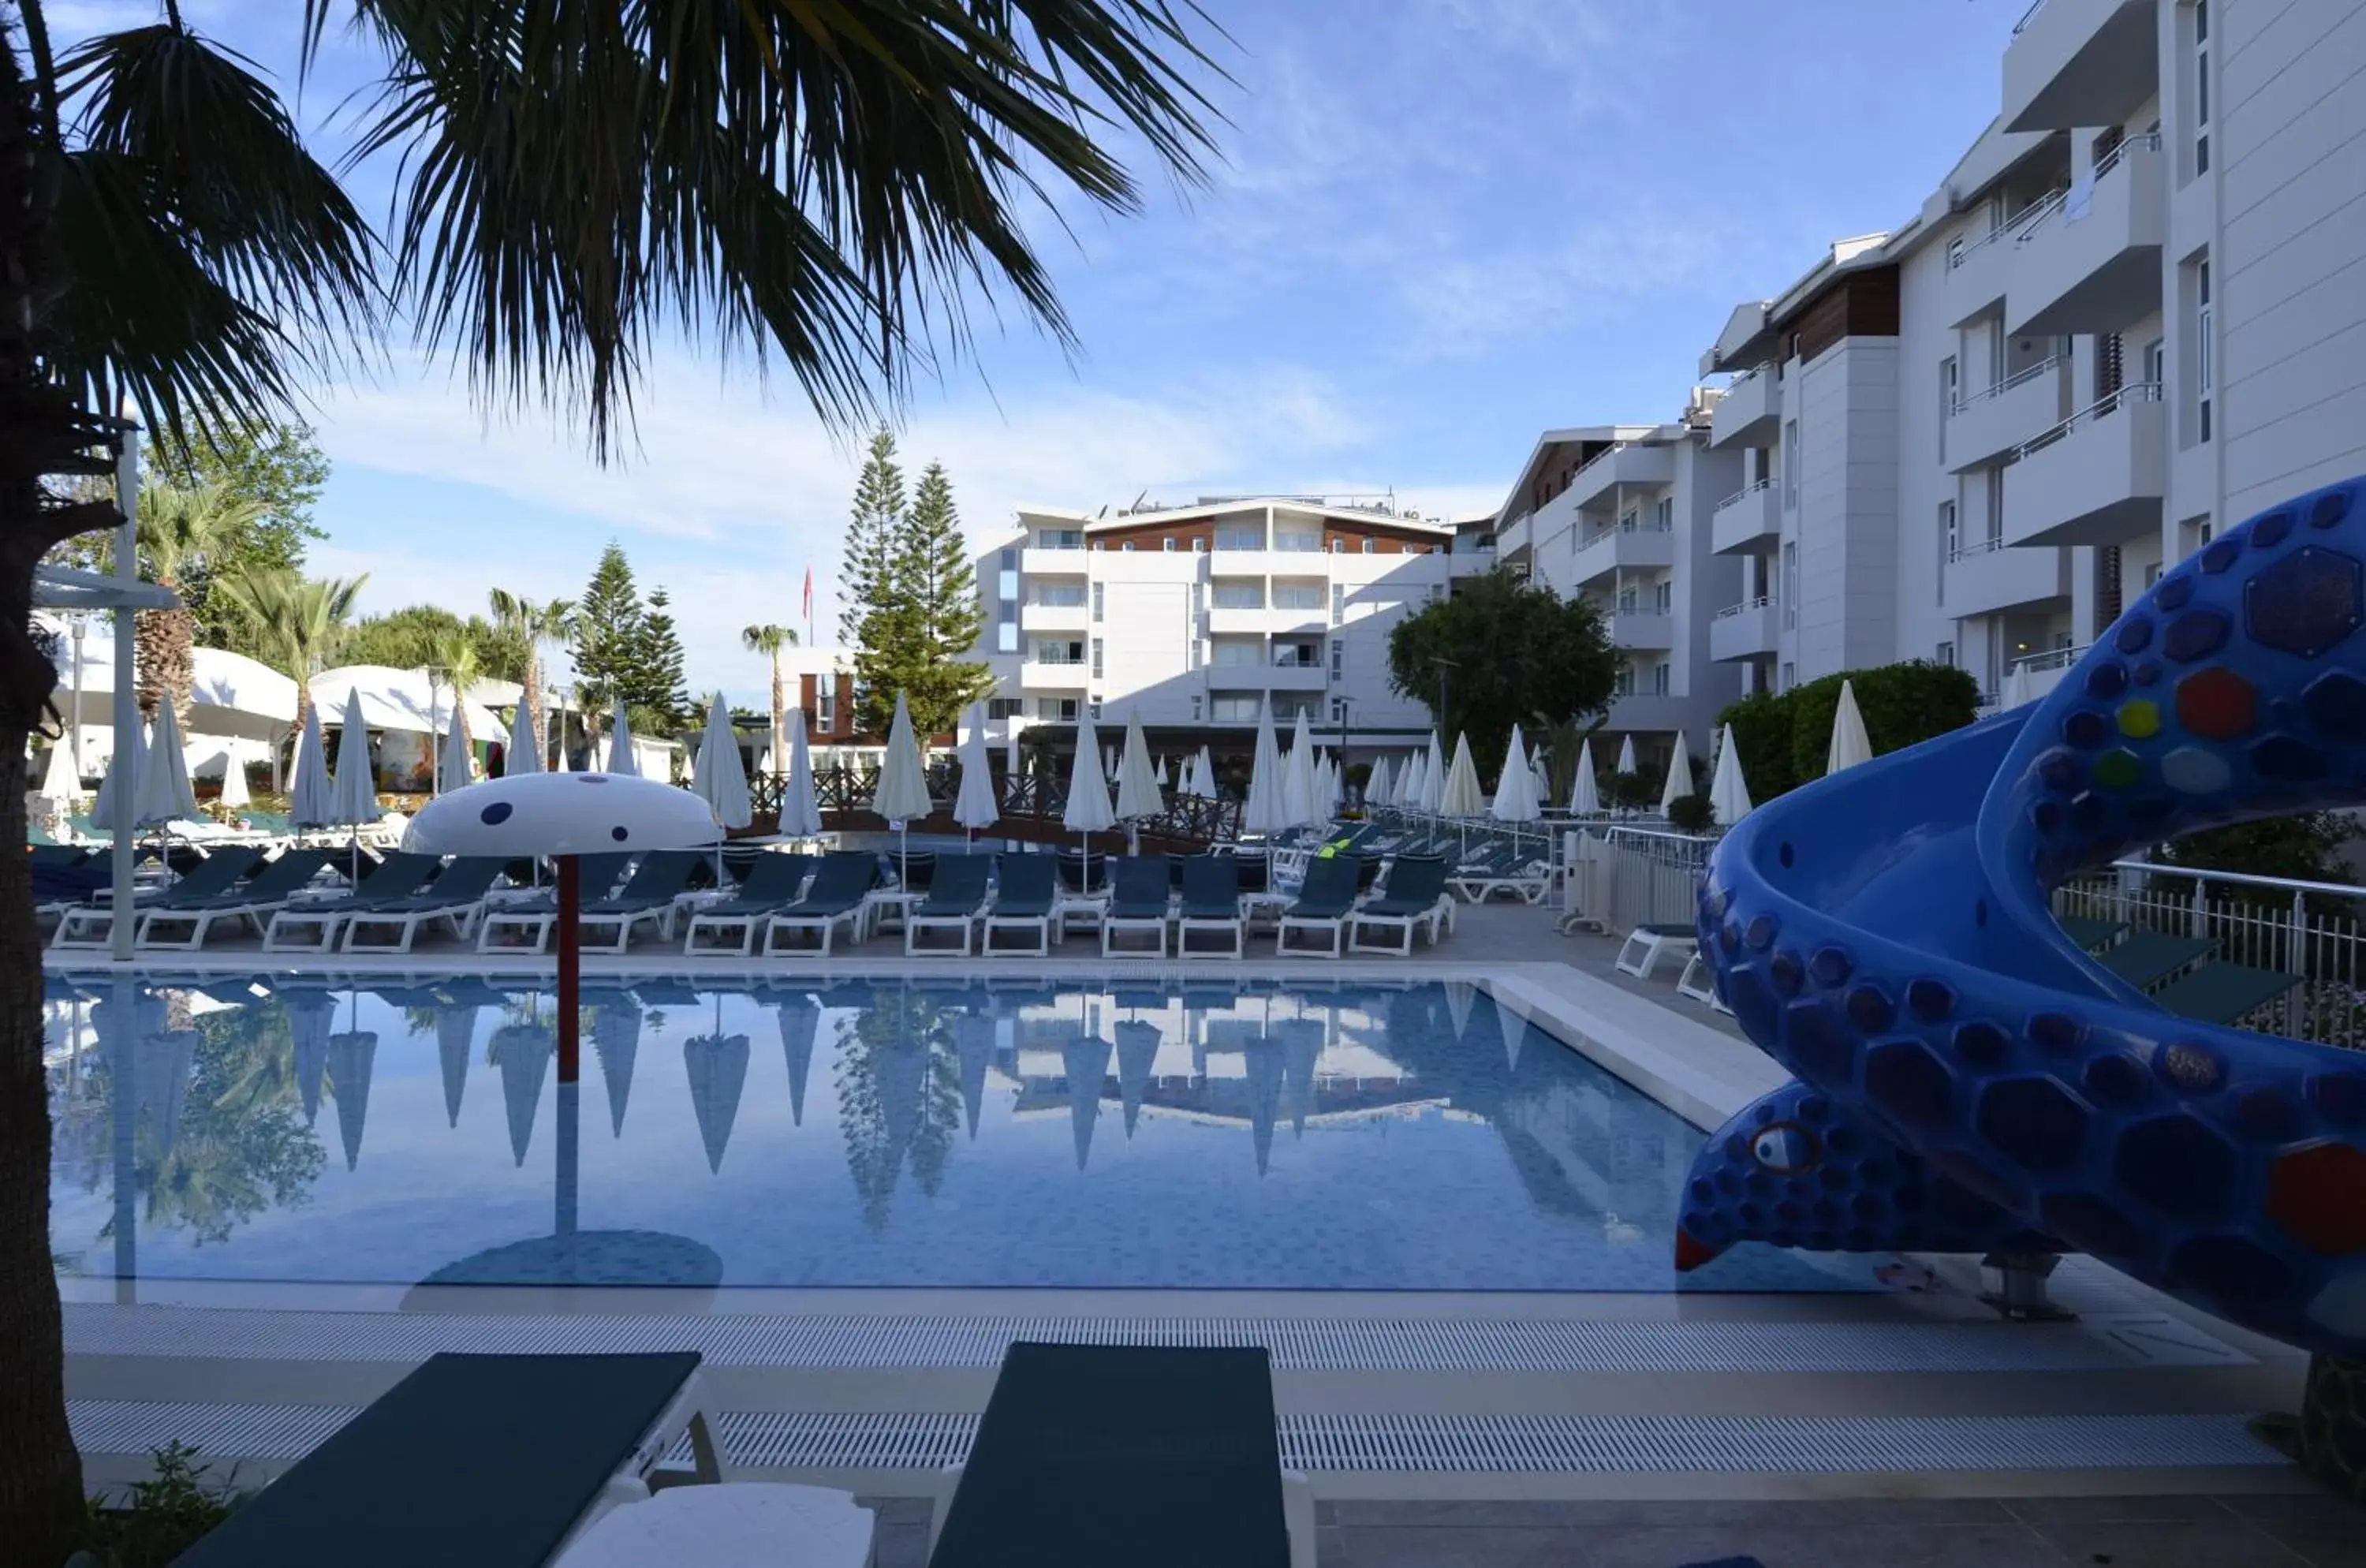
(1353, 1136)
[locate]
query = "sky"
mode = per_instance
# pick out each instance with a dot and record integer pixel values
(1434, 228)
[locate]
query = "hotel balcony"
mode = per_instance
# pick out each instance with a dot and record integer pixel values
(1036, 561)
(1632, 465)
(1039, 675)
(1648, 713)
(2096, 479)
(1749, 411)
(1648, 629)
(1643, 548)
(1748, 521)
(1993, 423)
(2094, 268)
(1267, 620)
(1986, 577)
(2080, 63)
(1267, 677)
(1054, 617)
(1268, 563)
(1748, 630)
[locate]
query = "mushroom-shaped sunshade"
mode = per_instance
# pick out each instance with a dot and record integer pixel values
(561, 814)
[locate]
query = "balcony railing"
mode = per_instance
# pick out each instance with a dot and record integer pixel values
(2142, 392)
(1972, 547)
(2051, 659)
(1738, 497)
(1958, 253)
(2026, 18)
(2045, 210)
(2018, 378)
(1744, 607)
(1630, 525)
(1063, 663)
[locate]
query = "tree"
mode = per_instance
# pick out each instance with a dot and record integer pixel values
(300, 622)
(659, 694)
(835, 185)
(537, 626)
(456, 657)
(1499, 652)
(606, 628)
(770, 641)
(872, 620)
(183, 532)
(277, 467)
(416, 636)
(936, 579)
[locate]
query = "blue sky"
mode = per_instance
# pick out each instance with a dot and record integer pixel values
(1439, 226)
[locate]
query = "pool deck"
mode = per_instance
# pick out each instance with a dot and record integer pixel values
(1482, 1429)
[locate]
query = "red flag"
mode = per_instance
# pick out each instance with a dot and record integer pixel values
(809, 594)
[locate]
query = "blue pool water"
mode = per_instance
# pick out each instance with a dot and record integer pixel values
(1360, 1136)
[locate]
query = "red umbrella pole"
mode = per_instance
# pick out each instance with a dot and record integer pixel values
(571, 964)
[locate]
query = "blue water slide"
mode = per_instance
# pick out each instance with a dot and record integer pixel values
(1886, 934)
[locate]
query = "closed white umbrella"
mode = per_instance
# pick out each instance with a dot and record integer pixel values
(620, 745)
(1848, 745)
(1377, 783)
(1138, 792)
(902, 792)
(1299, 791)
(975, 806)
(1010, 753)
(1159, 772)
(1680, 776)
(1433, 776)
(1207, 776)
(1408, 793)
(353, 792)
(716, 774)
(523, 753)
(1729, 795)
(122, 773)
(1584, 796)
(1540, 778)
(1515, 791)
(1088, 810)
(1459, 795)
(453, 768)
(1264, 811)
(800, 818)
(310, 802)
(58, 779)
(235, 792)
(165, 794)
(2018, 689)
(1626, 756)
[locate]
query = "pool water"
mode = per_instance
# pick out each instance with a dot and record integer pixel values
(1361, 1136)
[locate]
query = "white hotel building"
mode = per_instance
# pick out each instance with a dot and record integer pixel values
(1195, 616)
(2134, 312)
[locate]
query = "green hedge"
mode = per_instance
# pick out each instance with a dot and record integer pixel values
(1783, 740)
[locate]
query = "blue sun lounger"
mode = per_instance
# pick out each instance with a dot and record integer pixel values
(1025, 898)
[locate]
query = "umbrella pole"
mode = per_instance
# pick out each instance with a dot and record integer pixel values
(570, 964)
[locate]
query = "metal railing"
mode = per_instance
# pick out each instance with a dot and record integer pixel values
(2027, 17)
(2018, 378)
(1629, 876)
(1959, 252)
(1627, 526)
(2049, 659)
(1744, 607)
(2150, 142)
(1974, 547)
(2141, 392)
(1738, 497)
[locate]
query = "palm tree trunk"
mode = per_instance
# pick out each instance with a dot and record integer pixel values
(780, 713)
(532, 698)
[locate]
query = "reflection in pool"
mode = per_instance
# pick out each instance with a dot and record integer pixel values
(1356, 1136)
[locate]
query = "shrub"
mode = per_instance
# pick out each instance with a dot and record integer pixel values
(167, 1515)
(1691, 814)
(1761, 734)
(1783, 740)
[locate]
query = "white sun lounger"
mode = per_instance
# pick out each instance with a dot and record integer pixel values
(1645, 945)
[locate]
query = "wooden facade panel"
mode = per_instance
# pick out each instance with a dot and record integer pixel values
(1862, 304)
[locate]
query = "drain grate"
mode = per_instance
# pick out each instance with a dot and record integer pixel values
(864, 1342)
(928, 1440)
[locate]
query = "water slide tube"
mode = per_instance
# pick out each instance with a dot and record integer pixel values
(1968, 1075)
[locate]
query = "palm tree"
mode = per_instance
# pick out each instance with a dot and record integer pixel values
(458, 656)
(771, 640)
(180, 529)
(544, 624)
(830, 185)
(298, 621)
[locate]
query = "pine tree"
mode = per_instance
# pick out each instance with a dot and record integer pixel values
(608, 632)
(935, 576)
(658, 695)
(875, 613)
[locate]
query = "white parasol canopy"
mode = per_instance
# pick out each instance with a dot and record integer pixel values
(620, 745)
(1299, 789)
(1139, 792)
(1680, 776)
(310, 802)
(523, 753)
(1159, 773)
(455, 766)
(1207, 776)
(1626, 756)
(352, 792)
(1377, 781)
(1460, 796)
(1584, 796)
(800, 818)
(1729, 795)
(1408, 790)
(234, 793)
(718, 776)
(165, 794)
(1264, 811)
(58, 779)
(121, 772)
(2018, 688)
(1433, 776)
(975, 806)
(902, 793)
(1088, 809)
(1515, 791)
(1850, 745)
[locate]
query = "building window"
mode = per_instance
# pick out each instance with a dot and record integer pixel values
(1199, 704)
(1996, 507)
(1240, 537)
(1659, 678)
(1947, 540)
(1199, 545)
(1011, 560)
(1665, 515)
(1199, 600)
(1006, 635)
(1338, 658)
(1367, 544)
(1003, 708)
(1097, 659)
(1664, 596)
(1338, 545)
(1949, 388)
(1790, 465)
(1238, 596)
(1338, 603)
(1627, 524)
(2201, 87)
(1298, 540)
(1096, 603)
(1236, 710)
(2202, 349)
(1790, 588)
(2155, 363)
(1788, 673)
(1096, 705)
(1062, 595)
(1191, 653)
(1168, 544)
(1339, 711)
(1238, 655)
(1060, 538)
(1297, 596)
(826, 703)
(1946, 657)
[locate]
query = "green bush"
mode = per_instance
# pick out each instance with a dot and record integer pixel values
(1783, 740)
(1691, 814)
(167, 1515)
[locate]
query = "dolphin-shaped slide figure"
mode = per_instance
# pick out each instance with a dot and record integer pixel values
(1885, 934)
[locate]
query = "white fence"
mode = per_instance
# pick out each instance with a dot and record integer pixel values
(1619, 877)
